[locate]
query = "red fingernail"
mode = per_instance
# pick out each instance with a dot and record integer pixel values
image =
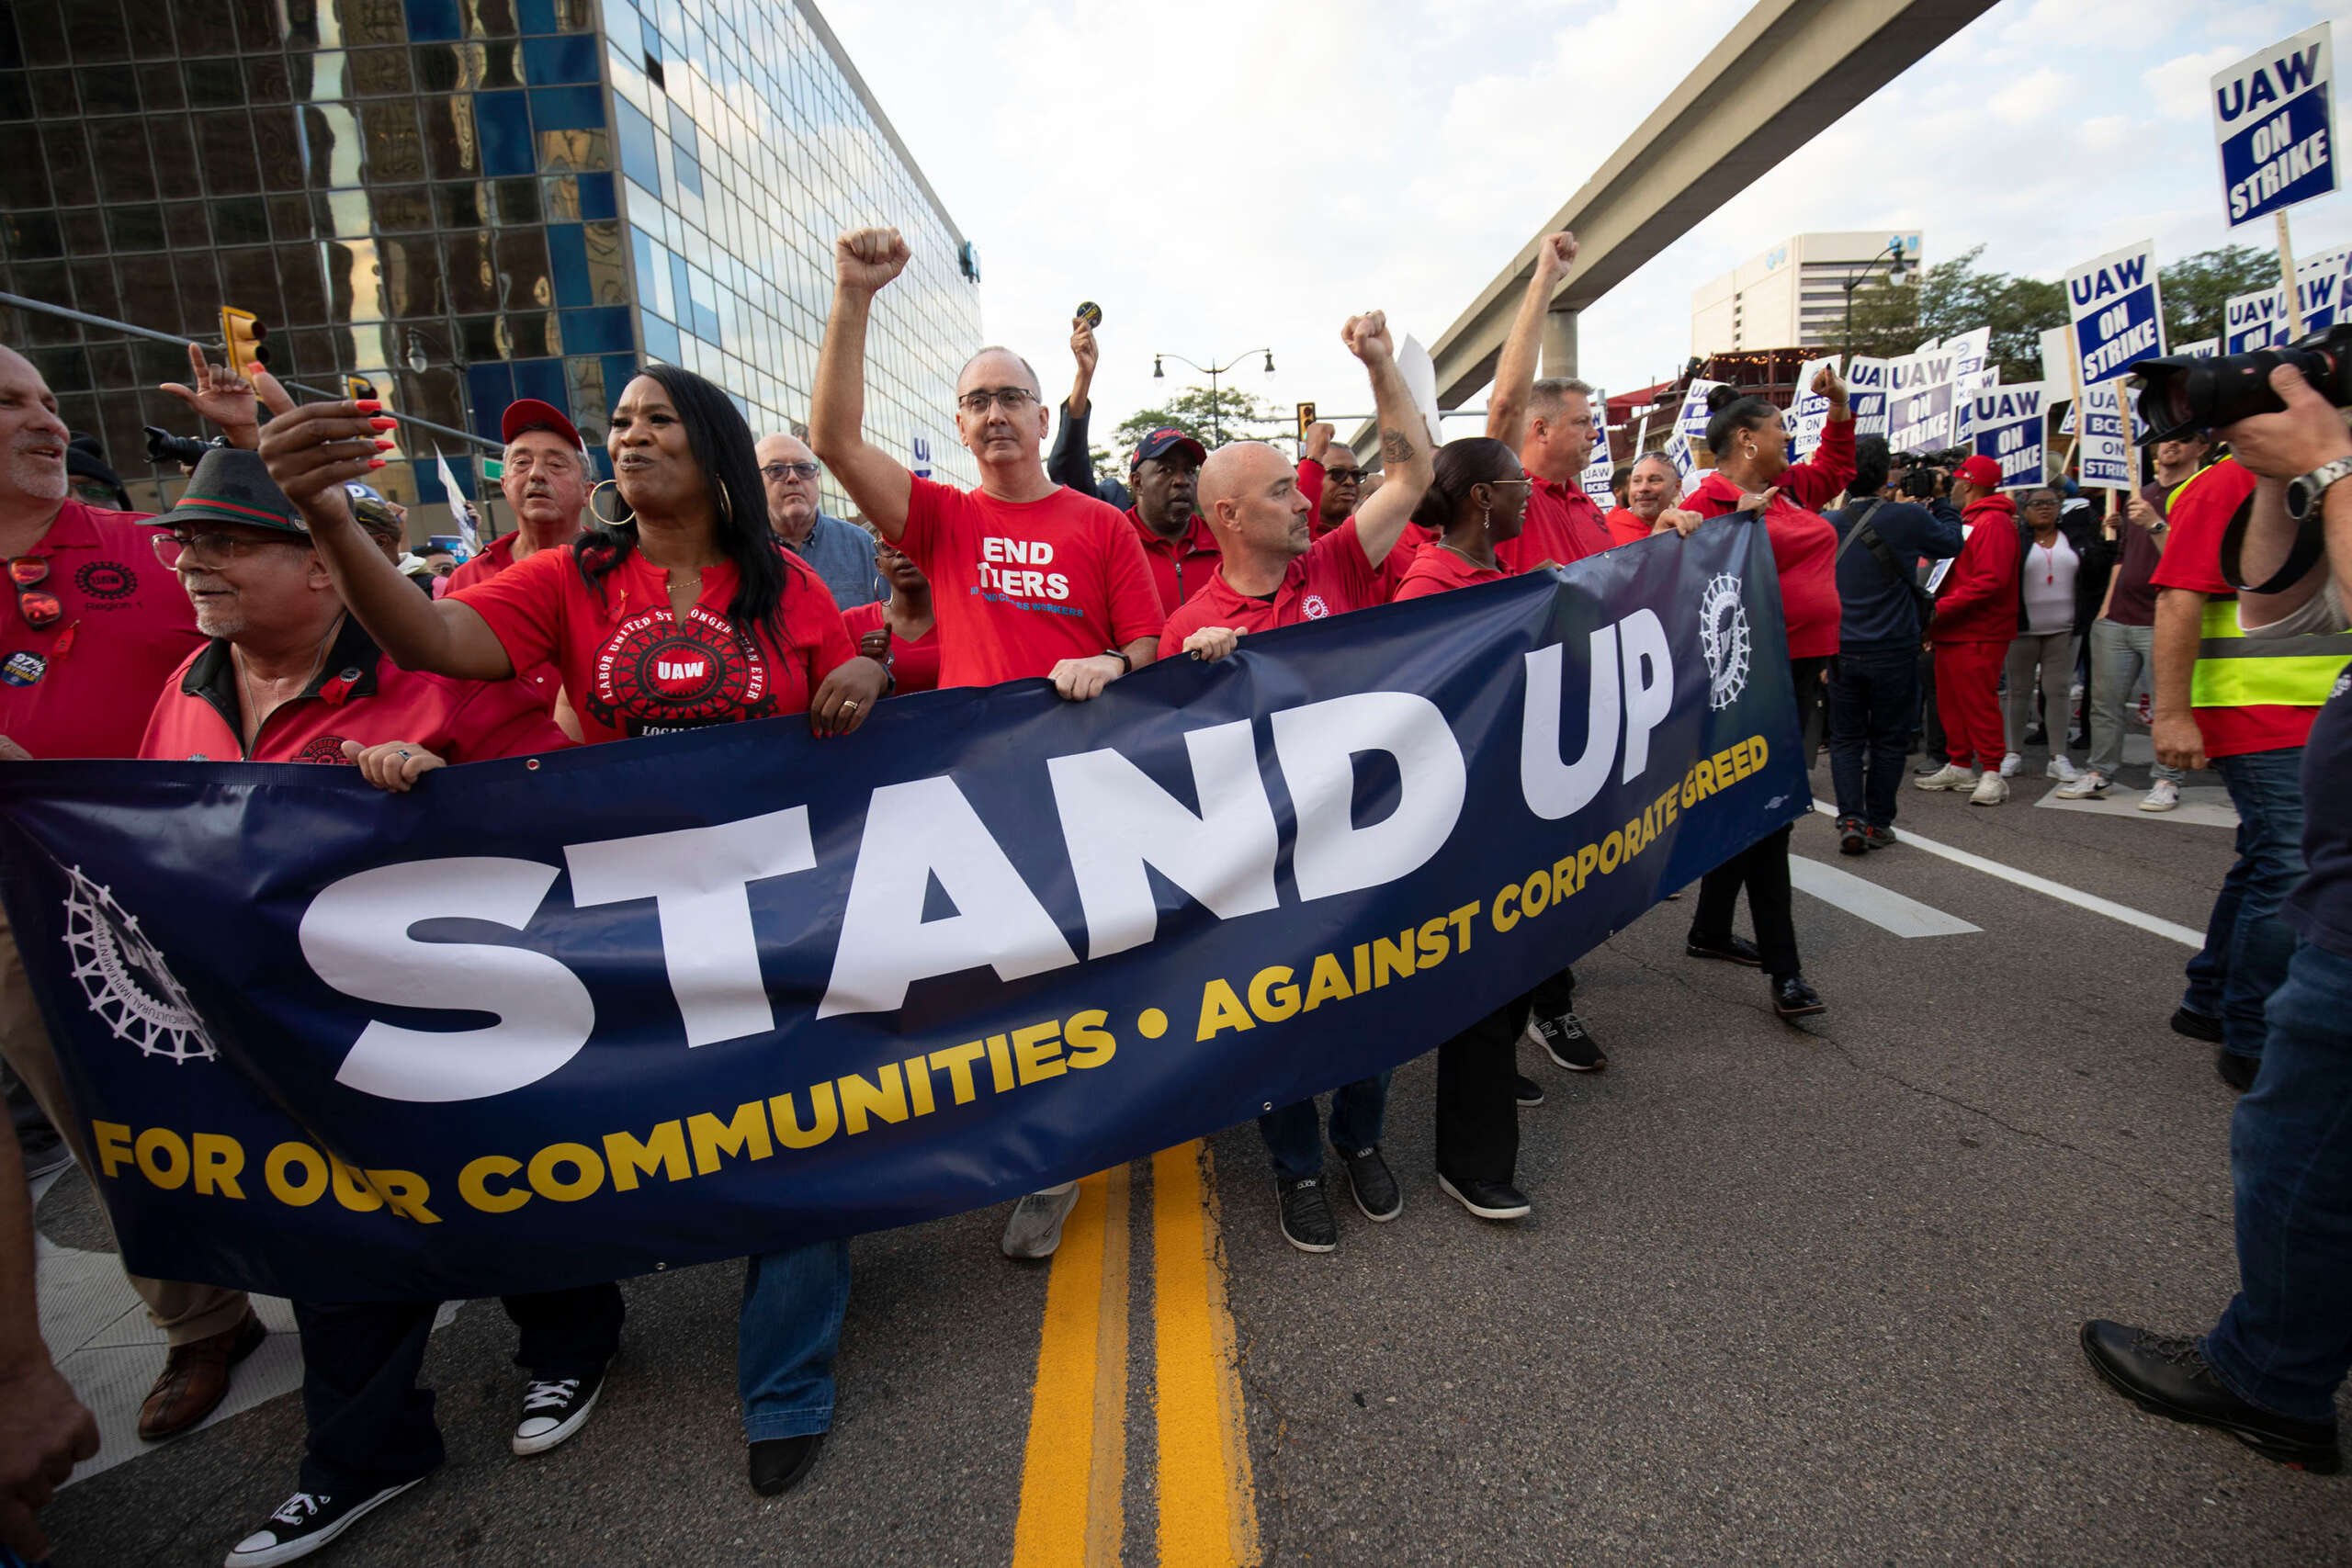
(367, 405)
(383, 422)
(386, 446)
(375, 462)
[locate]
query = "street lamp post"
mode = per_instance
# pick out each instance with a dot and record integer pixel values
(1216, 408)
(1892, 254)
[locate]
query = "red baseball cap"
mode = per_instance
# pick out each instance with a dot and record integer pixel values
(524, 412)
(1980, 470)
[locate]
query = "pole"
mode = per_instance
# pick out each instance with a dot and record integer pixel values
(2294, 311)
(1217, 411)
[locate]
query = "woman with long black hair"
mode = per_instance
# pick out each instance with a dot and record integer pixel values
(678, 610)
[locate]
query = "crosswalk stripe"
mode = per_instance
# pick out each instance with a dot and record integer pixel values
(1882, 907)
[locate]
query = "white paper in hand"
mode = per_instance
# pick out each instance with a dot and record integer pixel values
(1413, 362)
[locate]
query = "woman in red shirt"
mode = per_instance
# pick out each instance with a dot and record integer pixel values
(1750, 441)
(1477, 500)
(902, 630)
(680, 610)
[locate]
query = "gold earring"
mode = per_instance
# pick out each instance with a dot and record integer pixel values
(602, 486)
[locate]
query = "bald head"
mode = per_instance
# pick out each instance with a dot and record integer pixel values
(995, 367)
(1236, 467)
(1249, 493)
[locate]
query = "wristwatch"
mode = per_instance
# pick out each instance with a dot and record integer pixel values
(2304, 494)
(1124, 663)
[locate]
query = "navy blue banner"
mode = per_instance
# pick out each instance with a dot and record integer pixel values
(636, 1006)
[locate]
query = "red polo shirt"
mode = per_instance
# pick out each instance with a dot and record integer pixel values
(2201, 510)
(359, 695)
(633, 669)
(1563, 526)
(1437, 568)
(914, 666)
(544, 680)
(1330, 579)
(1020, 586)
(1627, 526)
(1178, 566)
(83, 686)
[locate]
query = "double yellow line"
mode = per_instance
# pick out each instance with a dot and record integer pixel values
(1073, 1477)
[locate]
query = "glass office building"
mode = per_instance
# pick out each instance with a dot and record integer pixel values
(466, 201)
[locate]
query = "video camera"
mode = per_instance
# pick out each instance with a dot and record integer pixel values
(163, 446)
(2181, 395)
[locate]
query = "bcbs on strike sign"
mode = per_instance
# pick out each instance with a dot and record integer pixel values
(2276, 123)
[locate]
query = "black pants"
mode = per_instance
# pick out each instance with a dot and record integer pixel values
(1873, 697)
(1553, 996)
(370, 1426)
(1931, 723)
(1477, 1098)
(1763, 869)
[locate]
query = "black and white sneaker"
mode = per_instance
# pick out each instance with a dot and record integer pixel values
(1373, 1184)
(1530, 1094)
(1570, 1044)
(1306, 1217)
(305, 1522)
(554, 1408)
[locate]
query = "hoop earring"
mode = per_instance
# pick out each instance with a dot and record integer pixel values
(726, 505)
(599, 489)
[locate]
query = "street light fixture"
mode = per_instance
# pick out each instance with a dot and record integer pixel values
(1892, 254)
(1217, 407)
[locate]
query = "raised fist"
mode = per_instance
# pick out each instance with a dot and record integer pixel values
(1367, 337)
(1829, 384)
(1082, 348)
(1555, 254)
(868, 258)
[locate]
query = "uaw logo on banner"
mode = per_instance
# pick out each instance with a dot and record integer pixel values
(679, 999)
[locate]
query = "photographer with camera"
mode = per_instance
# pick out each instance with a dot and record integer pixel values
(2268, 1371)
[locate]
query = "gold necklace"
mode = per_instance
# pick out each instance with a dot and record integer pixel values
(245, 679)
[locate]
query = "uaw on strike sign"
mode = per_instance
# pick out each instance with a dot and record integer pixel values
(583, 1015)
(2116, 311)
(2275, 117)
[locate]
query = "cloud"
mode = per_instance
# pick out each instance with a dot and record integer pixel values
(2176, 89)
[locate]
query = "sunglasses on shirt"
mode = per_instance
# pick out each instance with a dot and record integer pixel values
(40, 607)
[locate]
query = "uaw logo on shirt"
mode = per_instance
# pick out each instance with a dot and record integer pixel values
(657, 674)
(106, 584)
(1313, 607)
(1722, 638)
(125, 978)
(323, 749)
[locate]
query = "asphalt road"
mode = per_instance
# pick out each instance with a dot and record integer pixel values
(1801, 1295)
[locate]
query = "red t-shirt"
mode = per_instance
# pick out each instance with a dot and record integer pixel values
(1563, 526)
(82, 687)
(1805, 545)
(1020, 586)
(359, 695)
(1330, 578)
(544, 681)
(1401, 557)
(1627, 526)
(914, 666)
(2201, 510)
(1178, 566)
(633, 669)
(1437, 568)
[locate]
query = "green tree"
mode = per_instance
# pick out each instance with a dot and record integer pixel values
(1944, 301)
(1228, 414)
(2197, 289)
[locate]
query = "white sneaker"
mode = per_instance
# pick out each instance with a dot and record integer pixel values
(2084, 786)
(1991, 790)
(2163, 796)
(2011, 764)
(1952, 775)
(2060, 767)
(2074, 692)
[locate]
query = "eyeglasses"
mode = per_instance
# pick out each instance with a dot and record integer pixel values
(197, 548)
(1011, 399)
(776, 473)
(1528, 482)
(1344, 476)
(40, 607)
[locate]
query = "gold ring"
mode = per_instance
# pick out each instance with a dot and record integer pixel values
(849, 705)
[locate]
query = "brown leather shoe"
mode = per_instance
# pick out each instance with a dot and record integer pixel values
(195, 1377)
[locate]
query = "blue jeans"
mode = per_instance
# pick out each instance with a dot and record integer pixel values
(2286, 1341)
(791, 1325)
(2246, 945)
(1293, 1135)
(1872, 699)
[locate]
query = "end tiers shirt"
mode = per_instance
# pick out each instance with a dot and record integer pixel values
(1438, 568)
(633, 668)
(914, 666)
(84, 686)
(359, 695)
(1331, 578)
(1020, 586)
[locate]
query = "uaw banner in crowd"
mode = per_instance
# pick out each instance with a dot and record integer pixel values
(1920, 398)
(2260, 321)
(2116, 312)
(1599, 468)
(630, 1007)
(1809, 410)
(2273, 120)
(2006, 424)
(1866, 380)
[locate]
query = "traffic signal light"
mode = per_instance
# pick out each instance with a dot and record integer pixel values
(242, 330)
(1305, 418)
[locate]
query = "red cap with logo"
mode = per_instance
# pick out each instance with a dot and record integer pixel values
(1980, 470)
(525, 413)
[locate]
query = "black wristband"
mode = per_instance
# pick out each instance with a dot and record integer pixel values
(1126, 664)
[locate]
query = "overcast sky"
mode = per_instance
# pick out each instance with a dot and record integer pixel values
(1229, 174)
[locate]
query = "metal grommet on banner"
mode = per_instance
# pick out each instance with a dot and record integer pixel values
(533, 764)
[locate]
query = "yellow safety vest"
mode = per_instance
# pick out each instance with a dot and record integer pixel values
(2234, 670)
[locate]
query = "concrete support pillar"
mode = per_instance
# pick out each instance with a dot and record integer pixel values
(1560, 343)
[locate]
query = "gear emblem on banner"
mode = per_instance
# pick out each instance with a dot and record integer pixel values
(1722, 638)
(125, 978)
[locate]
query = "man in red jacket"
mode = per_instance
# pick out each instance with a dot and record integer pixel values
(1977, 619)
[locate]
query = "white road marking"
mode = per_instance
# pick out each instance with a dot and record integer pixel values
(1882, 907)
(2198, 808)
(2042, 885)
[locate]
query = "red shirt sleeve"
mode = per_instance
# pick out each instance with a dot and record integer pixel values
(1310, 484)
(1823, 477)
(524, 607)
(1342, 551)
(1133, 605)
(2201, 510)
(501, 718)
(934, 510)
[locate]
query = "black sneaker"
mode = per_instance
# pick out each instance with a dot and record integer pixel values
(1488, 1200)
(553, 1409)
(1853, 839)
(1569, 1043)
(1877, 838)
(2167, 1375)
(1305, 1213)
(1529, 1094)
(2236, 1071)
(1730, 949)
(305, 1522)
(2197, 1025)
(779, 1464)
(1375, 1189)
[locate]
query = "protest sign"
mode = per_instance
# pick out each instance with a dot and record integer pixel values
(2115, 308)
(1413, 363)
(1866, 382)
(1974, 350)
(2259, 321)
(1808, 410)
(2203, 348)
(1601, 467)
(1679, 452)
(2275, 123)
(1920, 395)
(680, 999)
(1691, 420)
(2006, 424)
(2104, 452)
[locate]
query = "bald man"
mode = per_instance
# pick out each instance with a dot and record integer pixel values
(841, 553)
(1028, 578)
(1275, 573)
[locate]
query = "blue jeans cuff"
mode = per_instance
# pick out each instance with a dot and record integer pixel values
(767, 1425)
(2221, 1355)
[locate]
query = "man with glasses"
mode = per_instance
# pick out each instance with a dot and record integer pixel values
(544, 481)
(1028, 577)
(841, 553)
(93, 630)
(1330, 479)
